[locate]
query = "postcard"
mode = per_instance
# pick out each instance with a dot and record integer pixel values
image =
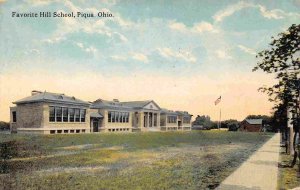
(138, 94)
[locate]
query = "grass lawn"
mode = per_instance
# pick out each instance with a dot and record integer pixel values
(287, 178)
(157, 160)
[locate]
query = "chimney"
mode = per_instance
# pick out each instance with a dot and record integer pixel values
(34, 92)
(115, 100)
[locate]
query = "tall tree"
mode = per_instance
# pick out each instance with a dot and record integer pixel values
(282, 59)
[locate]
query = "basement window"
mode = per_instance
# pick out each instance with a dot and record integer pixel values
(52, 131)
(77, 131)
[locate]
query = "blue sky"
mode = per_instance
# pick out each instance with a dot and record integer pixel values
(212, 41)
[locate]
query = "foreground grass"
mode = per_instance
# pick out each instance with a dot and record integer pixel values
(168, 160)
(288, 178)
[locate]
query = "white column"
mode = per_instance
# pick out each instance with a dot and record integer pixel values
(152, 119)
(148, 118)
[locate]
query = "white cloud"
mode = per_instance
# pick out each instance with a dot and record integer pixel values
(40, 2)
(140, 57)
(70, 25)
(90, 49)
(269, 14)
(32, 52)
(79, 45)
(177, 26)
(54, 40)
(202, 27)
(199, 27)
(119, 57)
(275, 13)
(222, 54)
(121, 37)
(228, 11)
(181, 54)
(247, 50)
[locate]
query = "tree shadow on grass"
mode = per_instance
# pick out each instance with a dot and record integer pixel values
(281, 165)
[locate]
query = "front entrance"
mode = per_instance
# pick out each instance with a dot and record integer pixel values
(95, 125)
(179, 123)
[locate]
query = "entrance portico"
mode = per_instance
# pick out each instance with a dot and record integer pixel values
(96, 120)
(151, 118)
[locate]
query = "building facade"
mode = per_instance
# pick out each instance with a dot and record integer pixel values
(251, 125)
(52, 113)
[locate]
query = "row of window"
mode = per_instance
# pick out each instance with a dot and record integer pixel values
(119, 129)
(64, 114)
(186, 120)
(172, 119)
(67, 131)
(118, 117)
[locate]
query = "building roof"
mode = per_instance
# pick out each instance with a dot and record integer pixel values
(51, 97)
(139, 104)
(254, 121)
(184, 113)
(169, 112)
(96, 115)
(100, 104)
(115, 104)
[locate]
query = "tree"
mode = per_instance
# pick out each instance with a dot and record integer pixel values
(204, 121)
(231, 124)
(4, 126)
(282, 60)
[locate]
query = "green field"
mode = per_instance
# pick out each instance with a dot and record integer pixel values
(157, 160)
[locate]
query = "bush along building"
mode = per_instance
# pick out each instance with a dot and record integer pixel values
(53, 113)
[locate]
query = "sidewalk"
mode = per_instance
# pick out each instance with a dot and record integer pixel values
(259, 171)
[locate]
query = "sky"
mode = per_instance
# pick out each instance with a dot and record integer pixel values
(181, 54)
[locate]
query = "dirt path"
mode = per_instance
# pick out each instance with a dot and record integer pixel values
(259, 171)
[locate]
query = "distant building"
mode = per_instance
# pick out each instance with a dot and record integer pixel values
(52, 113)
(251, 125)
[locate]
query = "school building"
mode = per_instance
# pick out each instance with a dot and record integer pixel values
(54, 113)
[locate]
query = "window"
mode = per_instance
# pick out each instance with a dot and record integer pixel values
(186, 120)
(71, 114)
(122, 117)
(172, 119)
(58, 114)
(82, 115)
(155, 120)
(117, 116)
(77, 115)
(51, 114)
(127, 117)
(14, 116)
(113, 117)
(109, 116)
(65, 114)
(52, 131)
